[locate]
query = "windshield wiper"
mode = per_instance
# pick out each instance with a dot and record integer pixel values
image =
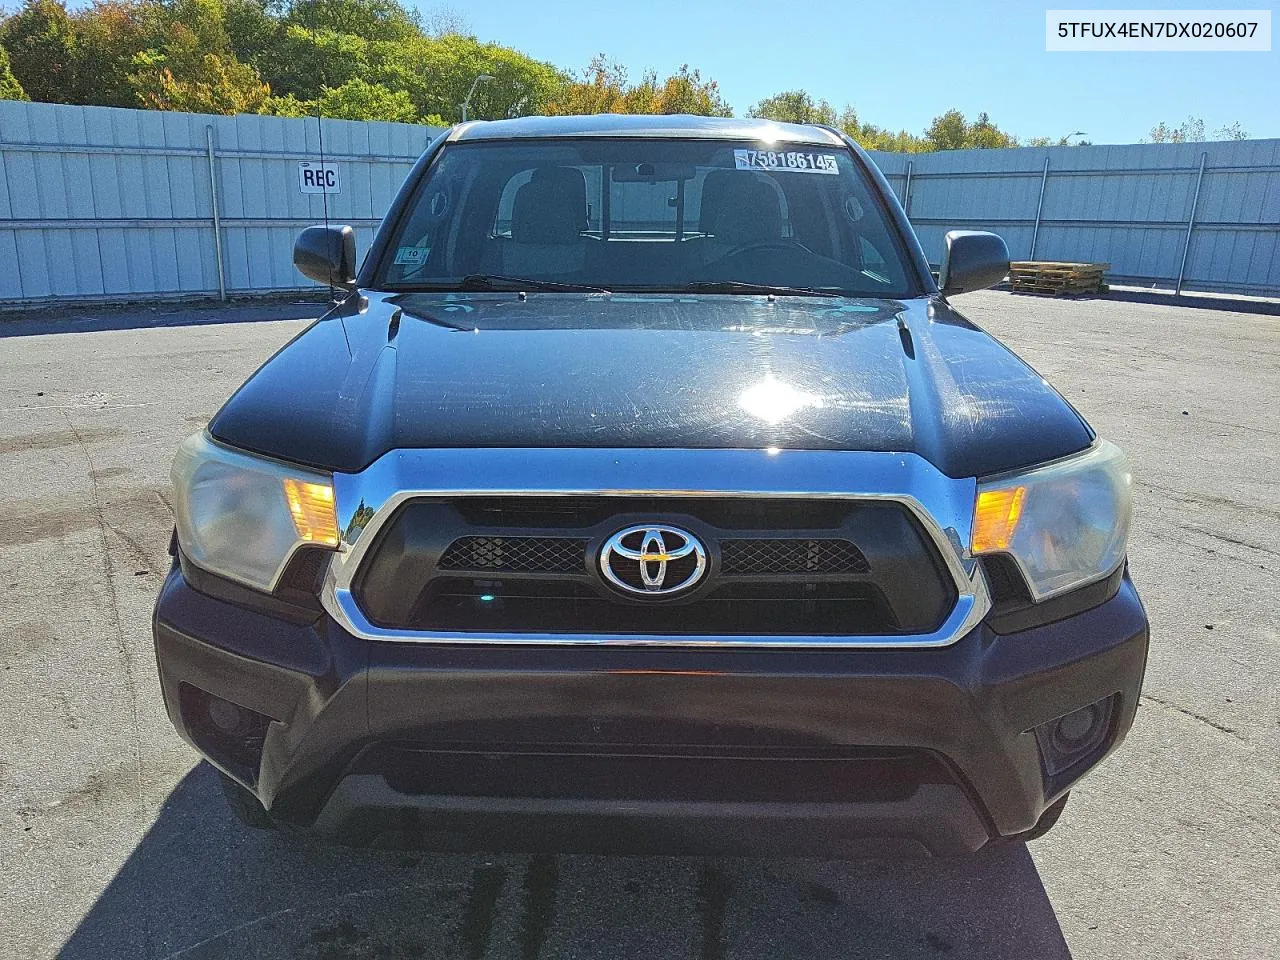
(495, 281)
(741, 286)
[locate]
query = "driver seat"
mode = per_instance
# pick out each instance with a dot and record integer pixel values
(548, 216)
(738, 207)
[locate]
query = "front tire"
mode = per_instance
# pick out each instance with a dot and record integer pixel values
(245, 805)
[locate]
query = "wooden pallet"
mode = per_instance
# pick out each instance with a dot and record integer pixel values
(1052, 278)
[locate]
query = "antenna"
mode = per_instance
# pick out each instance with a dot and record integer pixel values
(324, 189)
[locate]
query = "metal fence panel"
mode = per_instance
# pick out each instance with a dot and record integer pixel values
(1128, 205)
(99, 203)
(102, 203)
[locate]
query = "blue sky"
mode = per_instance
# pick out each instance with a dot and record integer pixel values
(903, 63)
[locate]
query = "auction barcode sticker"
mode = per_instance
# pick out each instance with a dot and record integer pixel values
(1178, 30)
(794, 161)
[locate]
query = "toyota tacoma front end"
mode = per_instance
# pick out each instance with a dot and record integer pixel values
(646, 492)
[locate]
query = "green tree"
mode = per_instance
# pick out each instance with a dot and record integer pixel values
(1189, 131)
(873, 137)
(368, 19)
(287, 106)
(43, 52)
(1055, 142)
(359, 100)
(302, 62)
(253, 28)
(605, 88)
(794, 106)
(192, 66)
(985, 135)
(951, 131)
(185, 79)
(443, 21)
(686, 92)
(1192, 130)
(110, 33)
(355, 100)
(899, 142)
(683, 92)
(10, 88)
(437, 72)
(602, 89)
(379, 59)
(948, 131)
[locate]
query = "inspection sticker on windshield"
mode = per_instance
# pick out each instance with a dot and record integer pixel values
(796, 161)
(412, 256)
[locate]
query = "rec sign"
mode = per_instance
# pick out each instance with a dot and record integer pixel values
(317, 177)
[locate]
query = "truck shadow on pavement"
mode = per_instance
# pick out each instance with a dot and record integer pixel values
(75, 318)
(199, 885)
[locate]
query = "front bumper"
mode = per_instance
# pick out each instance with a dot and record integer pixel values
(801, 751)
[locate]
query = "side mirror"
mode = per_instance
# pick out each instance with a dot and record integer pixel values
(974, 260)
(327, 255)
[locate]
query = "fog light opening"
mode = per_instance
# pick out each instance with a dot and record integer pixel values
(229, 719)
(230, 734)
(1075, 737)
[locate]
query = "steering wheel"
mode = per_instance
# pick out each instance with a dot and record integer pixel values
(788, 246)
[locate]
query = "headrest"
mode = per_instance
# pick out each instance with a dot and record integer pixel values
(551, 207)
(740, 206)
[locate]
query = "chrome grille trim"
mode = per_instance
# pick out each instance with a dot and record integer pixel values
(943, 505)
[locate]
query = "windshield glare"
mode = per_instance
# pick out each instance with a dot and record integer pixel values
(647, 215)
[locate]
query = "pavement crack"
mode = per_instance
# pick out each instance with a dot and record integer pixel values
(1200, 498)
(1191, 544)
(136, 550)
(1170, 705)
(268, 918)
(122, 645)
(1228, 539)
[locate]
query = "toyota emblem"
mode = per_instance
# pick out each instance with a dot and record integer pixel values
(653, 560)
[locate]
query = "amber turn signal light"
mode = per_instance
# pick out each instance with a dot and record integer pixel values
(995, 518)
(312, 508)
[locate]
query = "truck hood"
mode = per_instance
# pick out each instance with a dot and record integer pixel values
(388, 372)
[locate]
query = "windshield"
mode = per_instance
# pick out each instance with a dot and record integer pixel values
(707, 216)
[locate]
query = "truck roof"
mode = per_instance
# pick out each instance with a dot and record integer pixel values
(675, 126)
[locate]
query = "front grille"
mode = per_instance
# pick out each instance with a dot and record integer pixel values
(776, 567)
(763, 557)
(559, 606)
(758, 557)
(530, 554)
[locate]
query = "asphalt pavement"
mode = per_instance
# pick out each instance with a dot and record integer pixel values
(117, 843)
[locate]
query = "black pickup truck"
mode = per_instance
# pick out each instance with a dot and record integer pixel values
(646, 492)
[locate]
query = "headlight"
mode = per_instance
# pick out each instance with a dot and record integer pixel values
(1064, 524)
(242, 517)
